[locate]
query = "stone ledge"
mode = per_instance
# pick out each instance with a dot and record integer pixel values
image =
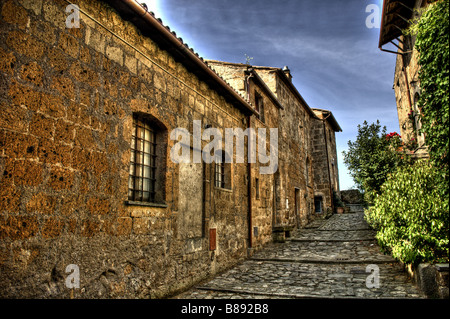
(132, 203)
(432, 280)
(280, 233)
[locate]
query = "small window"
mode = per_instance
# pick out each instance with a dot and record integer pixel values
(318, 203)
(259, 104)
(257, 187)
(222, 171)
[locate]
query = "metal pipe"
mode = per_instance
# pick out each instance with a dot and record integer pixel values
(399, 41)
(328, 165)
(404, 5)
(403, 18)
(396, 45)
(250, 201)
(249, 167)
(407, 84)
(384, 50)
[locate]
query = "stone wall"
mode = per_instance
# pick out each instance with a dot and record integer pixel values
(262, 185)
(67, 101)
(352, 196)
(407, 92)
(303, 154)
(294, 194)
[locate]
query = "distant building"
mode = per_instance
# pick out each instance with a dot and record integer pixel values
(86, 176)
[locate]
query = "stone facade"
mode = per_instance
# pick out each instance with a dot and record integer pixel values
(307, 154)
(406, 82)
(72, 100)
(294, 192)
(324, 159)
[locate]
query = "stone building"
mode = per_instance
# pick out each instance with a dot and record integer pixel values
(92, 204)
(395, 20)
(324, 161)
(306, 141)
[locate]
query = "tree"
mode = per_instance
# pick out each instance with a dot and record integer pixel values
(373, 156)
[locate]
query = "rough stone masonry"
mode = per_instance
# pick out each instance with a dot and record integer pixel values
(86, 181)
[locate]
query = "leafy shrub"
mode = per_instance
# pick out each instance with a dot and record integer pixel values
(411, 215)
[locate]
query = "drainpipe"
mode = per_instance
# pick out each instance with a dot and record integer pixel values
(407, 82)
(328, 161)
(249, 168)
(250, 202)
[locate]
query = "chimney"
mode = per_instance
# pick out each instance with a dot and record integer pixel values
(287, 72)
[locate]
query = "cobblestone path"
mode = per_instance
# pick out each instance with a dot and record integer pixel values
(328, 259)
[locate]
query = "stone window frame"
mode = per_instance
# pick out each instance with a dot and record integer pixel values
(259, 106)
(318, 199)
(222, 171)
(219, 172)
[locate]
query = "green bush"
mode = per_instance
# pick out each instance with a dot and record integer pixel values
(411, 215)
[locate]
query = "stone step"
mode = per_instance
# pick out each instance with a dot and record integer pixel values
(327, 261)
(311, 280)
(330, 251)
(333, 235)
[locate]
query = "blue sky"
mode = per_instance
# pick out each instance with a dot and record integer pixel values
(333, 56)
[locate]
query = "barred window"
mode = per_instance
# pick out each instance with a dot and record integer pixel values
(142, 179)
(259, 104)
(220, 170)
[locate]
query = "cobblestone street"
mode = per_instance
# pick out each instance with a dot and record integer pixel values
(328, 259)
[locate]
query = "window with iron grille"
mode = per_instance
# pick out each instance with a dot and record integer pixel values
(142, 179)
(220, 170)
(259, 104)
